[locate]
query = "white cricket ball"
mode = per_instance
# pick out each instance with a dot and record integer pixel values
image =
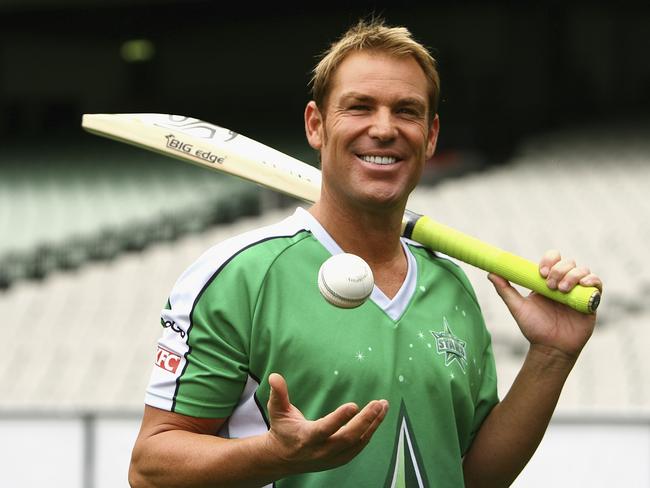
(345, 280)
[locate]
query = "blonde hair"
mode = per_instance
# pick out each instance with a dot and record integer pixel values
(376, 36)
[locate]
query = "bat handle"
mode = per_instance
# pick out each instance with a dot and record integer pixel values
(439, 237)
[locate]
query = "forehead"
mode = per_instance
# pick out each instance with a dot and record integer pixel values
(379, 74)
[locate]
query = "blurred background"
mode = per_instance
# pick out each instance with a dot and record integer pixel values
(545, 142)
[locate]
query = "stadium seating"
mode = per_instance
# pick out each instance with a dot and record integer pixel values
(84, 339)
(82, 203)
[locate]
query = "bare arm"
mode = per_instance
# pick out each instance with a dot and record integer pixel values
(514, 428)
(179, 451)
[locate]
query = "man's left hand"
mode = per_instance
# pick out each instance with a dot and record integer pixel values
(548, 325)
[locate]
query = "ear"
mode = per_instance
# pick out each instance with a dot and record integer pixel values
(314, 125)
(432, 137)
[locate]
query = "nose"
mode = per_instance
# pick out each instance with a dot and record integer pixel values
(382, 126)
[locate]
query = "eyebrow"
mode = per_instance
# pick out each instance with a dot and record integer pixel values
(412, 102)
(359, 97)
(402, 102)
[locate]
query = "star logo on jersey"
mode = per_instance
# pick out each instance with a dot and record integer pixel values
(451, 346)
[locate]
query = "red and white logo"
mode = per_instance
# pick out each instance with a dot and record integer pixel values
(167, 360)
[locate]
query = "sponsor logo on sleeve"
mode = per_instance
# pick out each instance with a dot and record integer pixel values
(170, 324)
(167, 360)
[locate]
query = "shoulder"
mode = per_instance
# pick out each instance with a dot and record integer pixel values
(244, 258)
(428, 258)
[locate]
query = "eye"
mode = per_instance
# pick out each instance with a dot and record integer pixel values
(360, 108)
(411, 112)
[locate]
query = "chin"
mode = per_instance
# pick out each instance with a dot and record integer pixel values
(386, 201)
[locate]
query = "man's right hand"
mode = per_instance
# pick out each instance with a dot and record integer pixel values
(331, 441)
(293, 445)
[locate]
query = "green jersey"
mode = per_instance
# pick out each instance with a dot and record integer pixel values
(251, 306)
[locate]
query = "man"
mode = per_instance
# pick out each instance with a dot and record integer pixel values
(416, 356)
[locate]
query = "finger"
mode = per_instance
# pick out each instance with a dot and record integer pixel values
(511, 297)
(550, 258)
(365, 437)
(558, 271)
(279, 396)
(592, 280)
(326, 426)
(572, 278)
(349, 443)
(363, 422)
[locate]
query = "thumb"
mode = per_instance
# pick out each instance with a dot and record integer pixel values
(279, 397)
(511, 297)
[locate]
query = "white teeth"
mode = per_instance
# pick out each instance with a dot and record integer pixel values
(379, 159)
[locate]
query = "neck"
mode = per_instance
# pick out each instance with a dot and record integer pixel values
(372, 234)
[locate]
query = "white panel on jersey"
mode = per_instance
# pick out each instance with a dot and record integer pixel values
(246, 420)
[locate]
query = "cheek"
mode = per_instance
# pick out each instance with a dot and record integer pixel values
(334, 133)
(422, 133)
(420, 139)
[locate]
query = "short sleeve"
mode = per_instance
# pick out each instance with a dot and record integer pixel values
(201, 364)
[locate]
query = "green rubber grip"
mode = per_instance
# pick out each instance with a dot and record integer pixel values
(439, 237)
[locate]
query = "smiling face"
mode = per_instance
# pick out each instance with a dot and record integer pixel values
(373, 133)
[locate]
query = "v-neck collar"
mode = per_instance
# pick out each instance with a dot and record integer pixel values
(394, 307)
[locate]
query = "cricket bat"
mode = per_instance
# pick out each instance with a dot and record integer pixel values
(219, 149)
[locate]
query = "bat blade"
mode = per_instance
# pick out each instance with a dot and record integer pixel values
(222, 150)
(212, 147)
